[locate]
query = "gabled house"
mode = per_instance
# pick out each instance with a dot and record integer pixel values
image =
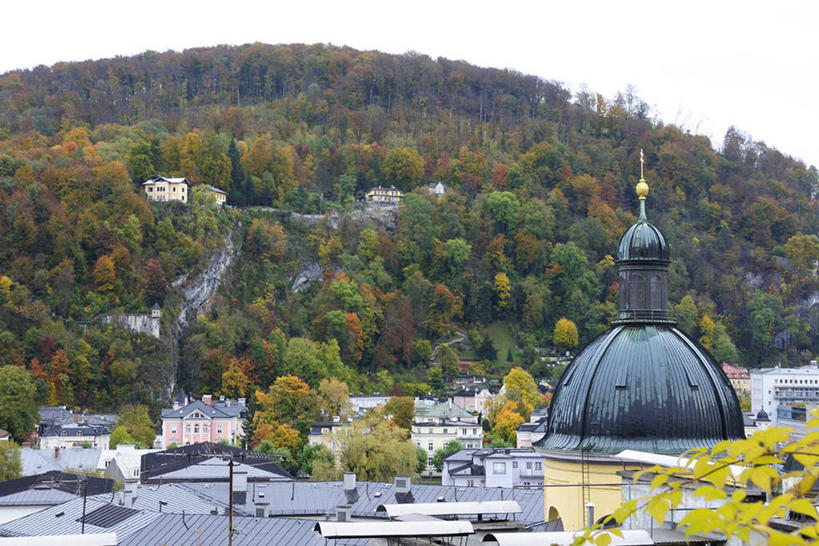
(205, 420)
(502, 467)
(219, 195)
(159, 188)
(74, 435)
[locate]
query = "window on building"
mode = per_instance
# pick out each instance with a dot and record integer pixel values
(528, 465)
(470, 483)
(538, 466)
(499, 468)
(173, 429)
(195, 429)
(187, 429)
(430, 447)
(514, 464)
(463, 431)
(218, 429)
(135, 472)
(429, 431)
(429, 462)
(446, 431)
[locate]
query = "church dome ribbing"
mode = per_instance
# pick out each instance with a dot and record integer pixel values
(643, 384)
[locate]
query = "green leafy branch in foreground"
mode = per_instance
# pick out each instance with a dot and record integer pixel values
(757, 461)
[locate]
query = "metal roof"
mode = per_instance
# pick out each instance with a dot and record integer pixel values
(668, 461)
(321, 498)
(65, 519)
(374, 529)
(37, 461)
(561, 538)
(174, 498)
(645, 387)
(100, 539)
(173, 529)
(216, 408)
(450, 508)
(217, 469)
(37, 497)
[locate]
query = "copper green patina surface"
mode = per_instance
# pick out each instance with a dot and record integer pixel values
(645, 387)
(642, 241)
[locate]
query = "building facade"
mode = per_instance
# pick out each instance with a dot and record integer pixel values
(74, 435)
(219, 195)
(434, 435)
(503, 467)
(160, 188)
(384, 195)
(774, 387)
(205, 420)
(738, 378)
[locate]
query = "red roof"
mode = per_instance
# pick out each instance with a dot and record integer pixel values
(733, 372)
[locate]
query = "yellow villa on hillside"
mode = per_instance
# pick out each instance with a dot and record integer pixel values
(219, 195)
(159, 188)
(384, 195)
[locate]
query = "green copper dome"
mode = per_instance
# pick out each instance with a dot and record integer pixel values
(642, 241)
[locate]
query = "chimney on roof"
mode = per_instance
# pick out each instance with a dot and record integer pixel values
(129, 494)
(342, 513)
(57, 452)
(227, 403)
(242, 401)
(239, 486)
(207, 399)
(349, 481)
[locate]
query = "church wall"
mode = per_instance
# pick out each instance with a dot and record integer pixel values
(568, 501)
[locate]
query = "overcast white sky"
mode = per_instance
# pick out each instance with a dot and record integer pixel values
(702, 65)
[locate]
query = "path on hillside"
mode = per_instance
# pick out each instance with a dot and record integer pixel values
(459, 337)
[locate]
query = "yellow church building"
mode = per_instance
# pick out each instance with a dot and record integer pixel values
(641, 385)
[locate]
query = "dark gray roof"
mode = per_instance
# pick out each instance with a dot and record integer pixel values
(50, 415)
(217, 469)
(65, 519)
(70, 483)
(170, 529)
(217, 408)
(322, 498)
(37, 497)
(73, 430)
(161, 463)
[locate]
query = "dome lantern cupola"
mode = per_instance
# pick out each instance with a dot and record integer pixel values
(642, 265)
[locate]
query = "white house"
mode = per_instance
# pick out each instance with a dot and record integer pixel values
(502, 467)
(160, 188)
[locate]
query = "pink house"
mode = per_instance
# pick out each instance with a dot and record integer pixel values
(205, 420)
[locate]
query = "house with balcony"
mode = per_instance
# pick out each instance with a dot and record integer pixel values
(159, 188)
(501, 467)
(380, 194)
(781, 390)
(205, 420)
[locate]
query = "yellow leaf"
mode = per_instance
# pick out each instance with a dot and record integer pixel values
(806, 484)
(709, 492)
(658, 480)
(808, 461)
(603, 540)
(738, 495)
(658, 509)
(803, 506)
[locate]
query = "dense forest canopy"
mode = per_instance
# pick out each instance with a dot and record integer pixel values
(517, 253)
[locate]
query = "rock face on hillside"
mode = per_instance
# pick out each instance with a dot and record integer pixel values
(143, 324)
(382, 214)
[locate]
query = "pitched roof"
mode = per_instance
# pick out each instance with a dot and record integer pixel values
(174, 498)
(217, 409)
(157, 178)
(178, 458)
(248, 531)
(217, 469)
(37, 461)
(74, 430)
(70, 483)
(47, 496)
(66, 518)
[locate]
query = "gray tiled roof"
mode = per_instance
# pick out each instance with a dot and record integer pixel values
(217, 408)
(73, 430)
(322, 498)
(169, 529)
(63, 519)
(37, 461)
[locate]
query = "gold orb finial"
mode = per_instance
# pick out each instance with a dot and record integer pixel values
(642, 187)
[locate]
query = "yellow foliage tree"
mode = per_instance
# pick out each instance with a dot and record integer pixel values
(502, 290)
(566, 335)
(507, 422)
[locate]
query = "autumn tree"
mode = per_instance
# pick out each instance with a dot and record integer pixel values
(403, 167)
(565, 336)
(137, 422)
(333, 399)
(507, 421)
(402, 409)
(380, 454)
(287, 402)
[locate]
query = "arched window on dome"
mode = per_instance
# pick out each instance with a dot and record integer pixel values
(637, 292)
(656, 292)
(553, 514)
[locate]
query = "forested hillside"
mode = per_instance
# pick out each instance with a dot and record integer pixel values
(539, 189)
